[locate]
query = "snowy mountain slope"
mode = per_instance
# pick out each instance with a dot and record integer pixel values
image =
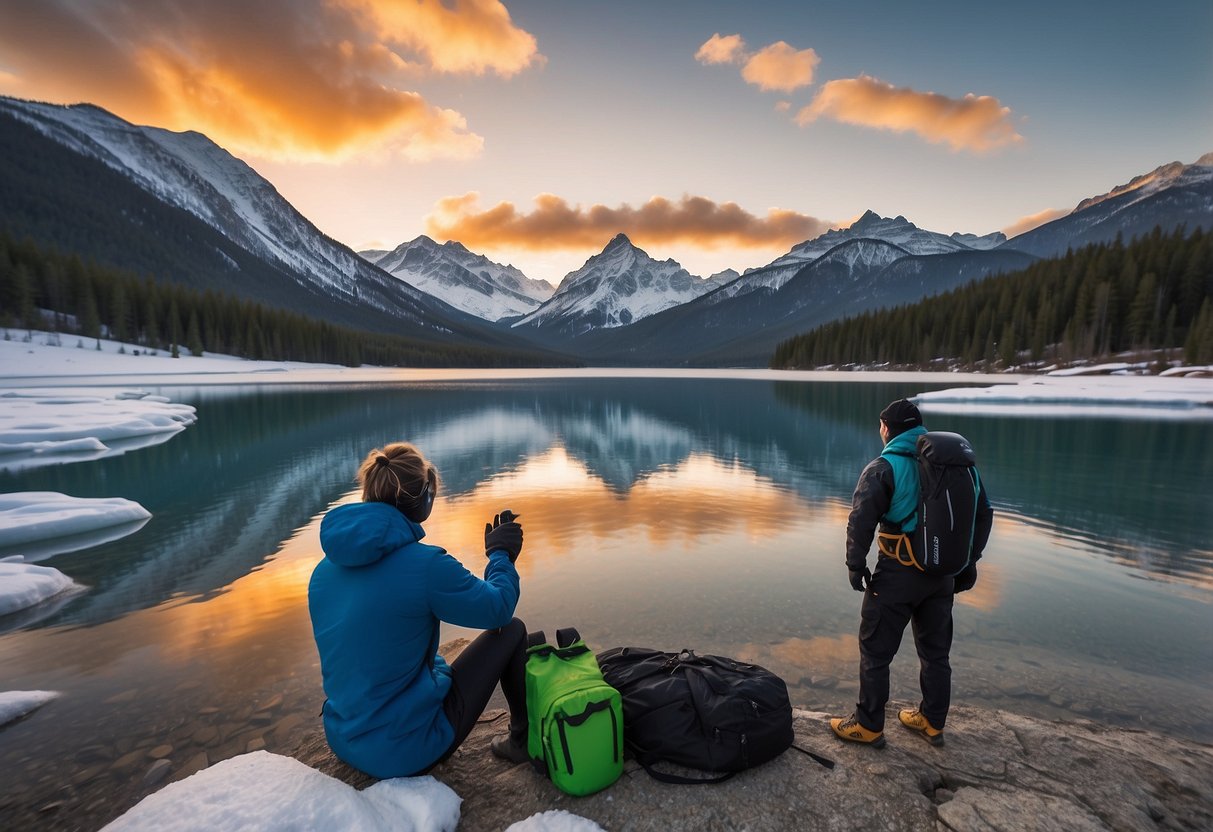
(1167, 196)
(188, 172)
(897, 231)
(616, 287)
(462, 278)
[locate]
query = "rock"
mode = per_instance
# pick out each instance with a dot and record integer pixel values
(998, 771)
(194, 765)
(121, 698)
(274, 702)
(255, 744)
(284, 727)
(825, 682)
(160, 752)
(208, 710)
(157, 772)
(205, 735)
(261, 718)
(128, 760)
(1058, 700)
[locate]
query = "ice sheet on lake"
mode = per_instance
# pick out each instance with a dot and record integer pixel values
(269, 792)
(39, 524)
(24, 585)
(15, 704)
(45, 427)
(1152, 397)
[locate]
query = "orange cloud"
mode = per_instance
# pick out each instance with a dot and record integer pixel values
(729, 49)
(555, 224)
(780, 67)
(777, 66)
(1033, 220)
(974, 123)
(299, 79)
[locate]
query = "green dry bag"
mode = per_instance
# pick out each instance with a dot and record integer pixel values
(575, 736)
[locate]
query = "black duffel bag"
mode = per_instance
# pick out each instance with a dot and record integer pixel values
(702, 712)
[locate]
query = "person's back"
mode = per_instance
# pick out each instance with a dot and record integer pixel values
(376, 601)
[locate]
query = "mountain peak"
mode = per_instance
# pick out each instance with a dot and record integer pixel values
(869, 217)
(618, 241)
(1205, 161)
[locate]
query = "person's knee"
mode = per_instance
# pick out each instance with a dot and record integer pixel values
(516, 629)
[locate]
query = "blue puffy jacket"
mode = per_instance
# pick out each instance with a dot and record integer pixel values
(375, 600)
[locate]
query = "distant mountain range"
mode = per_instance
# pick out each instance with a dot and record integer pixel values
(180, 207)
(465, 280)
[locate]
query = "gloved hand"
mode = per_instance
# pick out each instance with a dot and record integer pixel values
(860, 578)
(504, 534)
(965, 580)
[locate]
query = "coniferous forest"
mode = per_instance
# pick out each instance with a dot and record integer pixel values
(1153, 294)
(41, 288)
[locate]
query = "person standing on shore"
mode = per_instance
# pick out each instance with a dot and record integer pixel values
(899, 592)
(394, 707)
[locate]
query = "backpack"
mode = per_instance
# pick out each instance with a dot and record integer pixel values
(703, 712)
(575, 731)
(948, 490)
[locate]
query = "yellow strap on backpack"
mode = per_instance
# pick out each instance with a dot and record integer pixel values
(897, 547)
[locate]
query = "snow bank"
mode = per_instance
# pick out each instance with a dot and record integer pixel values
(38, 524)
(268, 792)
(1153, 397)
(41, 427)
(15, 704)
(24, 585)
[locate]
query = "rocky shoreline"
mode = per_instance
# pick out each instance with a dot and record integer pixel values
(998, 771)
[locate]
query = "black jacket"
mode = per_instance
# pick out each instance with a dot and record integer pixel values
(872, 498)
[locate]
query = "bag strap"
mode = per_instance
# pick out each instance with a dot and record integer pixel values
(825, 761)
(566, 636)
(535, 639)
(679, 780)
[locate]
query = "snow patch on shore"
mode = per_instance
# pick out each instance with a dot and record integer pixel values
(1144, 397)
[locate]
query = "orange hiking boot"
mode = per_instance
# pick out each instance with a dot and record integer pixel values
(913, 719)
(850, 730)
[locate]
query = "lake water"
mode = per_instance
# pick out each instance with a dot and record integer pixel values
(660, 512)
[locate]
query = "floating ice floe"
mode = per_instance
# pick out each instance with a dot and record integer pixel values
(40, 524)
(44, 427)
(269, 792)
(24, 585)
(1152, 397)
(15, 704)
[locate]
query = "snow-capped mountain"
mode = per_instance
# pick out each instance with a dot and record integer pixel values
(1167, 196)
(462, 278)
(617, 287)
(897, 231)
(261, 237)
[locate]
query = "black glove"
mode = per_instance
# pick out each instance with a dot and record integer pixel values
(965, 580)
(504, 534)
(860, 578)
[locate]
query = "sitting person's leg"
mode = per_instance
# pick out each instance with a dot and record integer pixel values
(494, 656)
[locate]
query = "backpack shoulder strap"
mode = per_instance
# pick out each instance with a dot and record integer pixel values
(566, 636)
(679, 780)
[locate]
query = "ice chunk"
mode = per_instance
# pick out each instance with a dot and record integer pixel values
(268, 792)
(23, 585)
(38, 524)
(556, 820)
(15, 704)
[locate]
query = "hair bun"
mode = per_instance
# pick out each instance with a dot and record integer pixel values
(382, 461)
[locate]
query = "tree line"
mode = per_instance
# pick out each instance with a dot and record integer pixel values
(41, 288)
(1153, 294)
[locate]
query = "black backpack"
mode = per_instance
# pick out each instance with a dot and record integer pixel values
(947, 503)
(703, 712)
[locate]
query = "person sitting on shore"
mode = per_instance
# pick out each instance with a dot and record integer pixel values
(394, 707)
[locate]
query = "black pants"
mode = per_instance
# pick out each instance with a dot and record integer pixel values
(900, 595)
(495, 656)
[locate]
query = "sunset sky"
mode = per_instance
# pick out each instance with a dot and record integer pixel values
(716, 133)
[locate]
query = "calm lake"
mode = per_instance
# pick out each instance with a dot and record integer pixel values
(659, 512)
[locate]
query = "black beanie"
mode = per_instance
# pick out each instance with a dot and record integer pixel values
(900, 416)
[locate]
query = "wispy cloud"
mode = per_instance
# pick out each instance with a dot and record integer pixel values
(977, 123)
(721, 50)
(296, 79)
(554, 224)
(778, 66)
(1033, 220)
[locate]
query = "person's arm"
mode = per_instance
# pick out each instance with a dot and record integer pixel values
(871, 500)
(459, 597)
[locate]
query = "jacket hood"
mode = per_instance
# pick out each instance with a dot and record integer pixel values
(358, 534)
(905, 442)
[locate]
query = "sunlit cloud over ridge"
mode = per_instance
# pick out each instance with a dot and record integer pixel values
(555, 224)
(1024, 224)
(313, 80)
(777, 66)
(975, 123)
